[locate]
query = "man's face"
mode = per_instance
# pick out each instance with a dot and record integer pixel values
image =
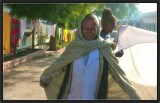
(89, 30)
(108, 27)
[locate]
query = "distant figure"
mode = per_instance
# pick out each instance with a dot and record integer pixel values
(108, 24)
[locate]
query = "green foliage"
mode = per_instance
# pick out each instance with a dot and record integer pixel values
(68, 15)
(120, 10)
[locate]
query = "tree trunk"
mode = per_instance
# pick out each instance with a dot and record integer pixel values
(52, 44)
(33, 39)
(33, 33)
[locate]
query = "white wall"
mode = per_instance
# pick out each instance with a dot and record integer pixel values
(150, 19)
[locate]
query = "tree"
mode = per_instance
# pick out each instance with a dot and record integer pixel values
(66, 15)
(120, 10)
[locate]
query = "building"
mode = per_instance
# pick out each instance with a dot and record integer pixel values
(147, 21)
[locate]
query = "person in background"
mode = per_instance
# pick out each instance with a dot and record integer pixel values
(108, 24)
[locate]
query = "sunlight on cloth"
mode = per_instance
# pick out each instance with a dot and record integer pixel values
(139, 61)
(129, 36)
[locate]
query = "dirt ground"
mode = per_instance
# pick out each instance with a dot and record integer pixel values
(22, 82)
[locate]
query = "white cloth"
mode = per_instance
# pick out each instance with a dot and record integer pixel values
(50, 30)
(23, 25)
(36, 25)
(129, 36)
(85, 78)
(73, 31)
(141, 65)
(139, 61)
(54, 30)
(42, 28)
(31, 25)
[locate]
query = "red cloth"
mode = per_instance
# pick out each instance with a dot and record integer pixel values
(15, 34)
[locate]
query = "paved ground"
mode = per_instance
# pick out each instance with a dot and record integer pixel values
(22, 82)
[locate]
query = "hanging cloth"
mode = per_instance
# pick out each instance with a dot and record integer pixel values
(140, 56)
(65, 35)
(23, 25)
(73, 34)
(50, 30)
(42, 29)
(54, 30)
(129, 36)
(57, 33)
(15, 34)
(6, 32)
(61, 35)
(36, 23)
(24, 40)
(68, 36)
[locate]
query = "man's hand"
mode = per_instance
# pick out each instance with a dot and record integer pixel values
(43, 84)
(119, 54)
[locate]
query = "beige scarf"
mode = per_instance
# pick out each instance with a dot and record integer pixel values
(78, 48)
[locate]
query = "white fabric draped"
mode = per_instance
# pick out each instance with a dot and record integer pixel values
(140, 59)
(129, 36)
(23, 25)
